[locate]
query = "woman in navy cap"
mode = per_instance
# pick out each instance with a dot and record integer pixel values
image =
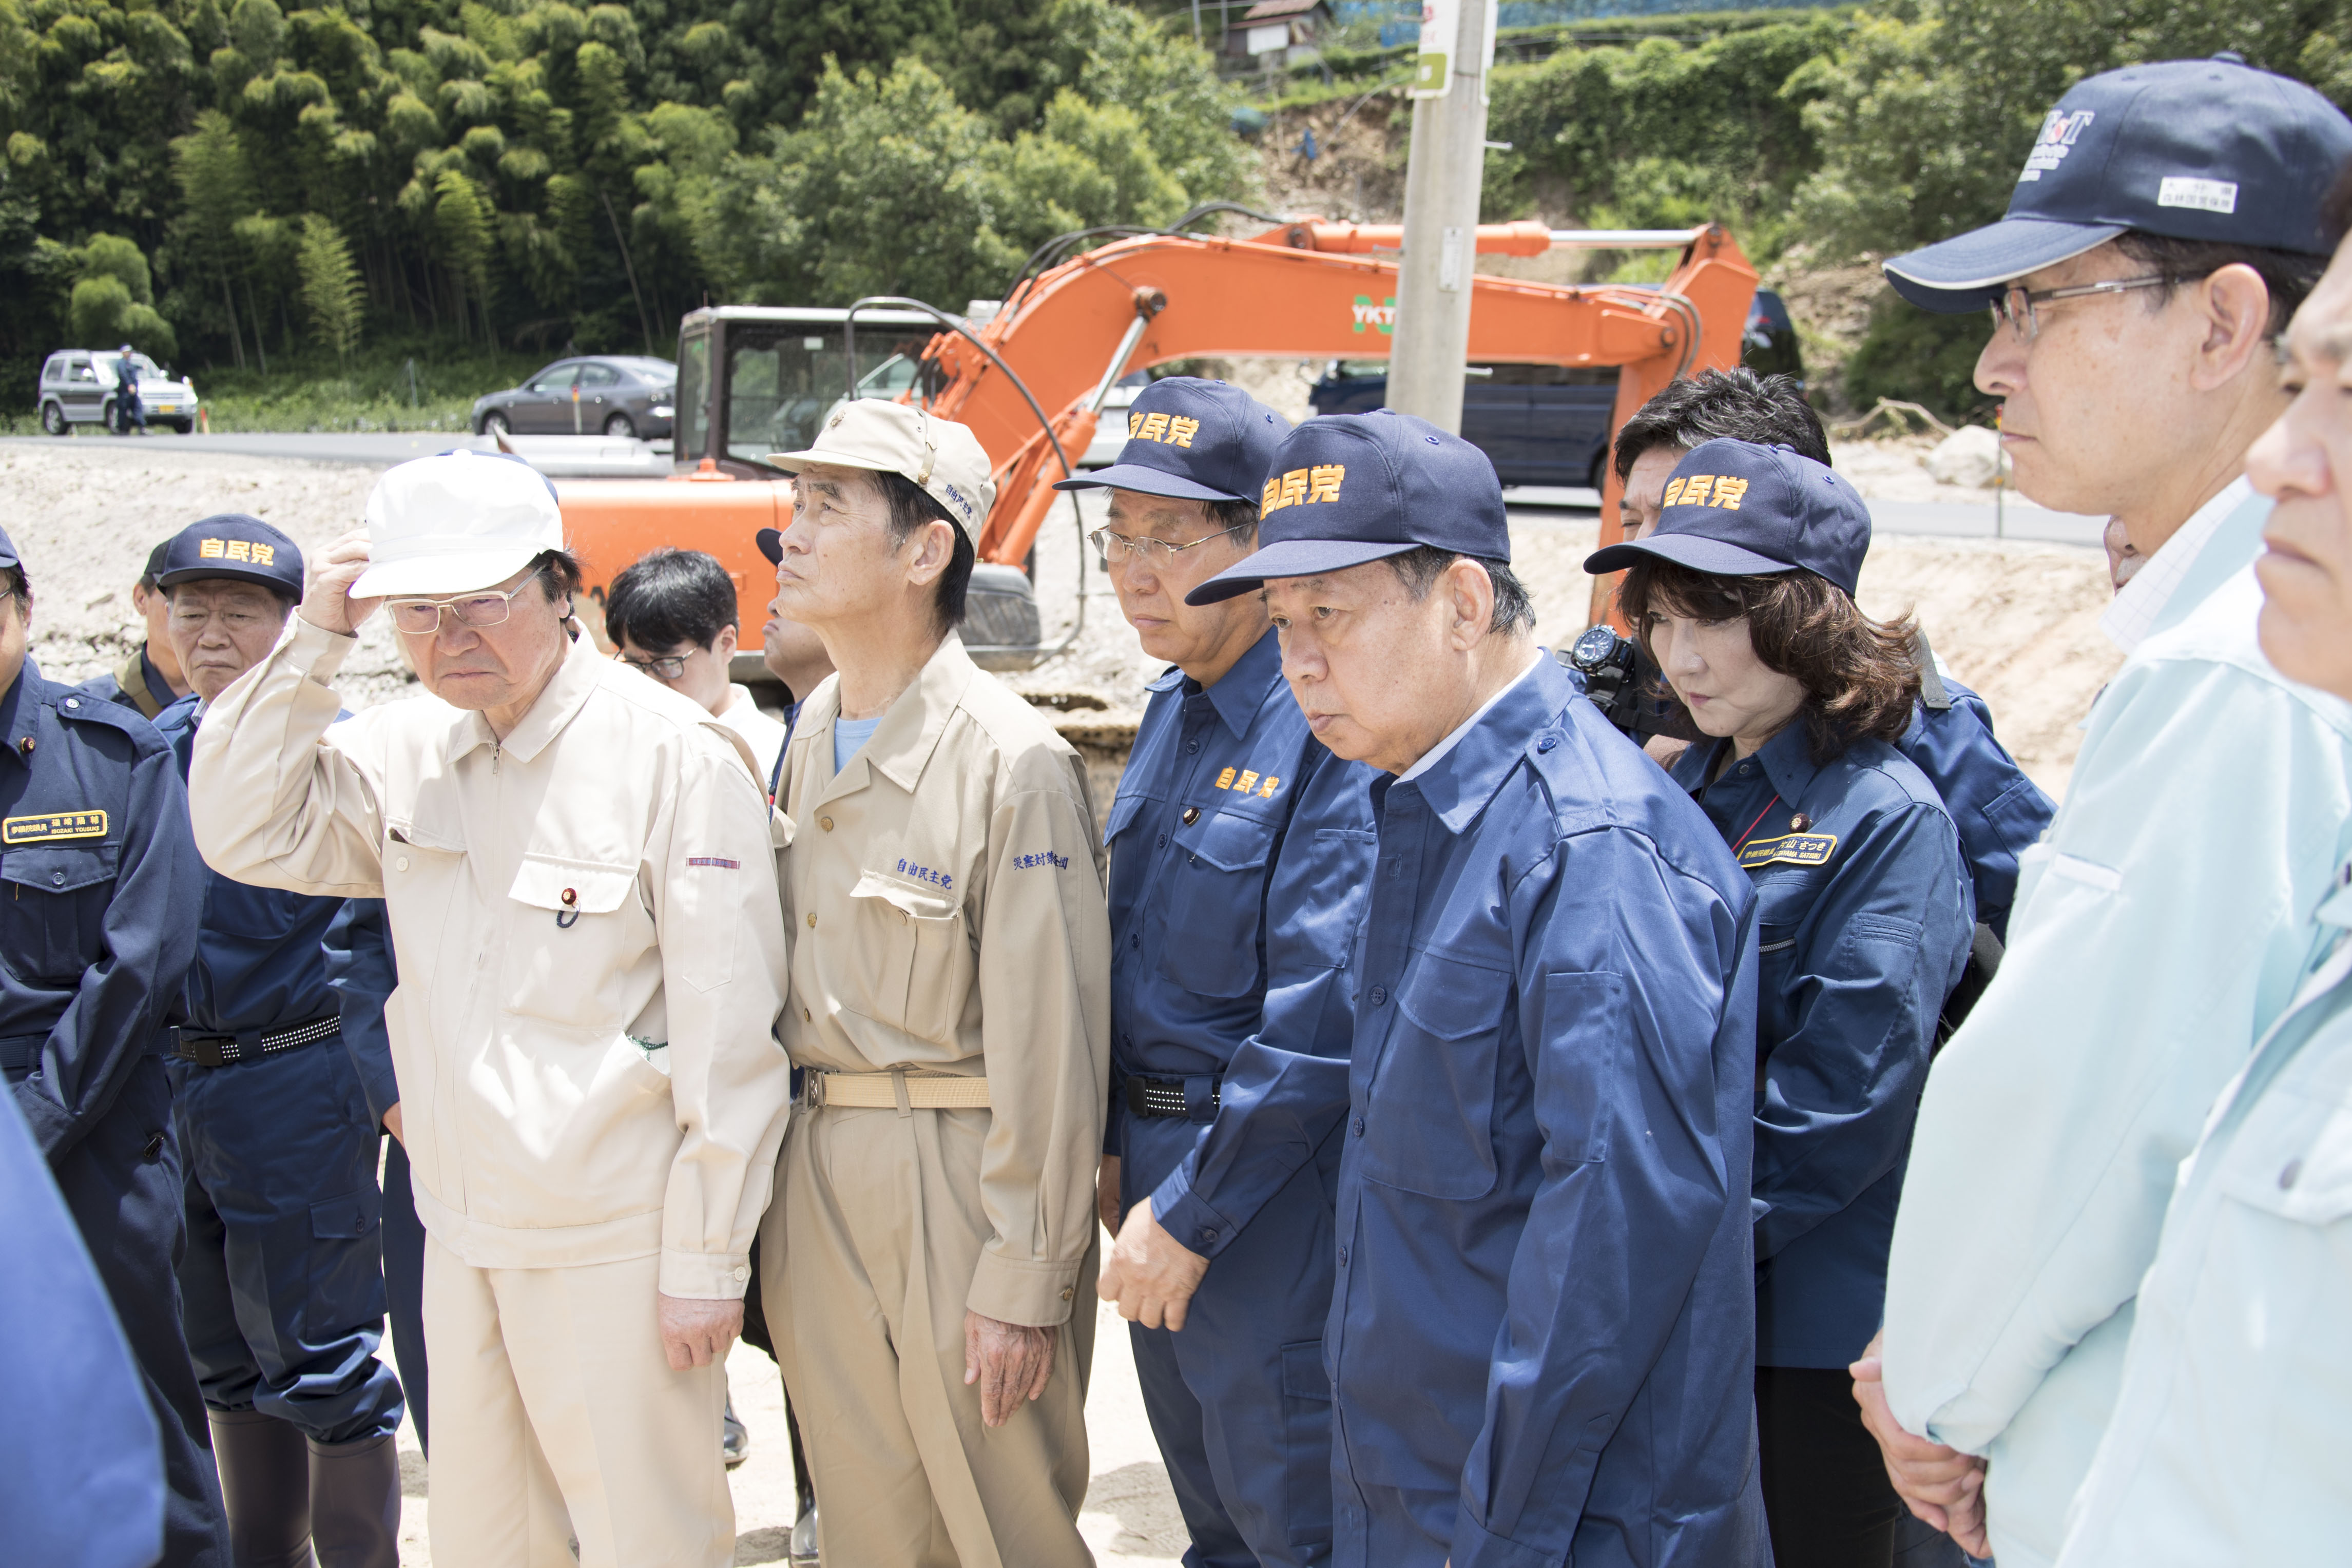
(1744, 595)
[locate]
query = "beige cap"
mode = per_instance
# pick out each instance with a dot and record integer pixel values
(942, 456)
(457, 521)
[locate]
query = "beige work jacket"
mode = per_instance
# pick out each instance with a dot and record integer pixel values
(605, 876)
(947, 907)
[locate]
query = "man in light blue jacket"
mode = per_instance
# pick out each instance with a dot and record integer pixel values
(2227, 1449)
(2163, 228)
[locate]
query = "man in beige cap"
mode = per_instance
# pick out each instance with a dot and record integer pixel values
(580, 873)
(928, 1266)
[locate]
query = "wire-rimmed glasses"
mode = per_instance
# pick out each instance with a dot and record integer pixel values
(2017, 308)
(1115, 549)
(422, 617)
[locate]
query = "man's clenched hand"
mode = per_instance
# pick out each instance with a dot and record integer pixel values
(1149, 1273)
(695, 1333)
(327, 602)
(1939, 1485)
(1011, 1362)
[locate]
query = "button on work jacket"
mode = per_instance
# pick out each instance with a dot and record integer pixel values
(1546, 1286)
(590, 962)
(948, 915)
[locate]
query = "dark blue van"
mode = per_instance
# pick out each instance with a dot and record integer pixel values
(1548, 424)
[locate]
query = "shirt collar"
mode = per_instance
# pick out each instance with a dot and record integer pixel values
(2142, 602)
(1786, 759)
(583, 669)
(1461, 772)
(1436, 754)
(1243, 692)
(901, 746)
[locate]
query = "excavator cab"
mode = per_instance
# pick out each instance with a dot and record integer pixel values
(755, 379)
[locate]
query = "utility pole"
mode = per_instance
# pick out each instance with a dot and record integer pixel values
(1447, 167)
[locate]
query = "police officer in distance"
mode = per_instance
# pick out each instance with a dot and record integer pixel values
(95, 940)
(282, 1284)
(1999, 812)
(1743, 595)
(1541, 1338)
(1239, 851)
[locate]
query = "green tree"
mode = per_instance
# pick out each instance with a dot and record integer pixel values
(332, 295)
(113, 301)
(217, 188)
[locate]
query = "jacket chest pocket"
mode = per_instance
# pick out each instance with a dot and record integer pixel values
(571, 946)
(52, 923)
(1215, 890)
(910, 954)
(1784, 899)
(1430, 1115)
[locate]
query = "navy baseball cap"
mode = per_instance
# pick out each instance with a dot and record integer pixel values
(232, 545)
(1737, 509)
(8, 550)
(1192, 440)
(1354, 487)
(2197, 149)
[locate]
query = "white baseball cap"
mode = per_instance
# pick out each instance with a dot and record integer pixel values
(457, 521)
(943, 458)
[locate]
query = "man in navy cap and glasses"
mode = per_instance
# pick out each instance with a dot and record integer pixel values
(1541, 1343)
(1240, 850)
(95, 939)
(2165, 226)
(278, 1106)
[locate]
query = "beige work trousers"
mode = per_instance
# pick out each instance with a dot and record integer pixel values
(865, 1258)
(556, 1418)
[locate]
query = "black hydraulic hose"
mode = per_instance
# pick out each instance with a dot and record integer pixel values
(953, 324)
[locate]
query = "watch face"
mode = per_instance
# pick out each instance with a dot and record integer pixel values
(1592, 649)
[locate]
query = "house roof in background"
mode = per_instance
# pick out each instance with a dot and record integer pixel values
(1275, 10)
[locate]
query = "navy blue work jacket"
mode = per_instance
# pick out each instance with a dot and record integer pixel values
(1999, 811)
(98, 914)
(1546, 1292)
(262, 955)
(1864, 921)
(1239, 853)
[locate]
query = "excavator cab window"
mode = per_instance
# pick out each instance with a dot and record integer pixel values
(783, 378)
(692, 443)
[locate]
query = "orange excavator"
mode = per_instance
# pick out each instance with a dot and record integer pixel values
(1031, 374)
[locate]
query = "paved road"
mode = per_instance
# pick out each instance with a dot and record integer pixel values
(584, 456)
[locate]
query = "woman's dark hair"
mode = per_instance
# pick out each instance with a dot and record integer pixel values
(912, 509)
(1860, 675)
(667, 596)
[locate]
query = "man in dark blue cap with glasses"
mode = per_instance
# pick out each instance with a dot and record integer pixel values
(281, 1080)
(1542, 1339)
(95, 939)
(2165, 223)
(1239, 851)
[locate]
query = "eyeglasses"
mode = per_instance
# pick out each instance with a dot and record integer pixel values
(1112, 548)
(667, 668)
(422, 617)
(2018, 306)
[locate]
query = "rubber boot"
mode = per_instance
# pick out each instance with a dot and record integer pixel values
(355, 1503)
(264, 1478)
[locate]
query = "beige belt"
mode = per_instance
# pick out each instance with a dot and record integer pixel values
(894, 1089)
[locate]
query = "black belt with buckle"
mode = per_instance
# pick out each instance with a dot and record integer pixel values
(229, 1049)
(1165, 1096)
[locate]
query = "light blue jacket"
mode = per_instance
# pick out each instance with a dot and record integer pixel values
(2159, 929)
(2229, 1442)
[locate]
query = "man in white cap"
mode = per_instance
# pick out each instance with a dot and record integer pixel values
(579, 870)
(928, 1266)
